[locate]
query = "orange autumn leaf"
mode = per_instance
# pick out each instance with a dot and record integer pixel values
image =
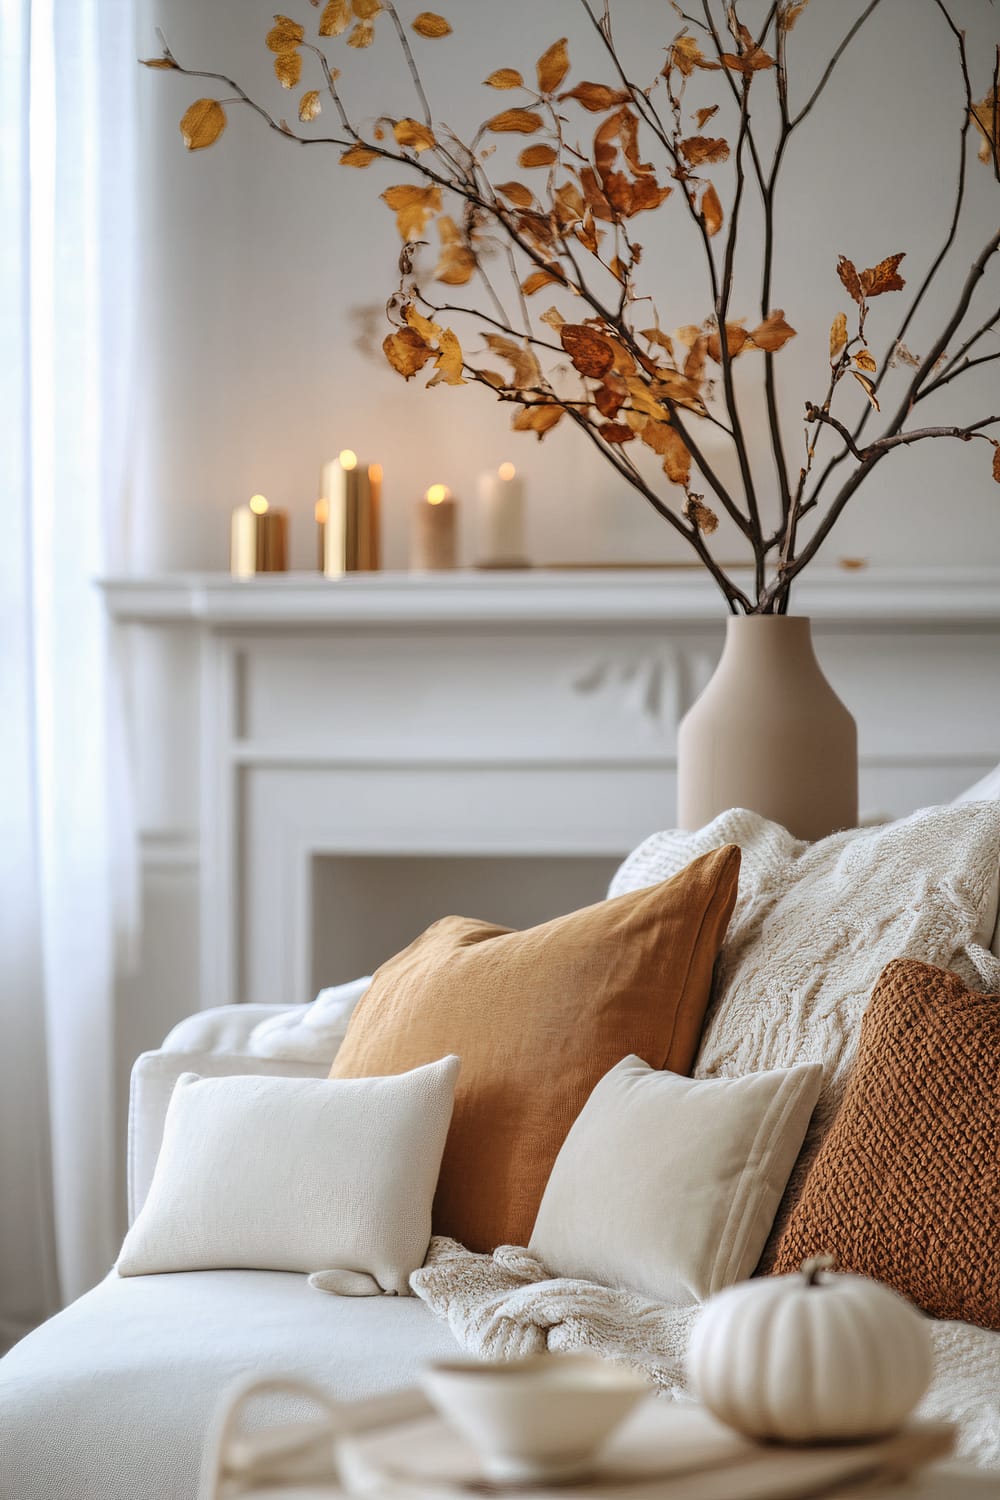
(736, 339)
(847, 271)
(538, 418)
(335, 19)
(202, 123)
(788, 16)
(590, 352)
(431, 26)
(701, 516)
(427, 329)
(685, 55)
(749, 62)
(362, 36)
(701, 148)
(413, 206)
(986, 117)
(702, 116)
(457, 264)
(864, 361)
(285, 35)
(518, 121)
(358, 156)
(611, 395)
(773, 333)
(596, 96)
(288, 69)
(309, 105)
(676, 458)
(537, 156)
(157, 62)
(838, 335)
(504, 78)
(552, 67)
(448, 361)
(537, 280)
(366, 10)
(996, 463)
(517, 193)
(883, 277)
(868, 387)
(406, 351)
(616, 433)
(525, 369)
(411, 133)
(711, 210)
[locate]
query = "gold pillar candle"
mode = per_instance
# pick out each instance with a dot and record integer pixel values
(433, 544)
(258, 539)
(352, 523)
(322, 513)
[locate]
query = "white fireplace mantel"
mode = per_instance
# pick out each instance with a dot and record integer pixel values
(330, 761)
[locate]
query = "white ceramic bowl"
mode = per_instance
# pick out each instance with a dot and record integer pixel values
(536, 1419)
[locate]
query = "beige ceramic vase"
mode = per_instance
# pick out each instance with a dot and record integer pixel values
(769, 734)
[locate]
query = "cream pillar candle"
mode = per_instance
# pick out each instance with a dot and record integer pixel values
(351, 495)
(258, 539)
(434, 539)
(501, 519)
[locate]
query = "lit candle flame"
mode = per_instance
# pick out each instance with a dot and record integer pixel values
(506, 471)
(348, 459)
(322, 511)
(258, 504)
(437, 493)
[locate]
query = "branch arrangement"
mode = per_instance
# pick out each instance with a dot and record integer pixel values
(598, 357)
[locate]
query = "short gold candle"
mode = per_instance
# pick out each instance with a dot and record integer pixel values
(352, 494)
(258, 539)
(434, 541)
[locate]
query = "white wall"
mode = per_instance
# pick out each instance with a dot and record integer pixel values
(264, 261)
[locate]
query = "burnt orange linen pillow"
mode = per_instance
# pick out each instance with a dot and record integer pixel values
(538, 1018)
(906, 1187)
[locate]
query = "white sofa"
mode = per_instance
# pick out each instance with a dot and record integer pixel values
(112, 1399)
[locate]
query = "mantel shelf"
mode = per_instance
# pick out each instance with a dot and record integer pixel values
(903, 597)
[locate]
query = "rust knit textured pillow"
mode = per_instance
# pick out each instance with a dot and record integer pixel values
(906, 1187)
(538, 1017)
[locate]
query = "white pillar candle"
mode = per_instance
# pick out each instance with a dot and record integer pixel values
(258, 539)
(350, 497)
(501, 519)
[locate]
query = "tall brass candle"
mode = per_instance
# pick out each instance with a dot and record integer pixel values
(434, 541)
(258, 539)
(352, 493)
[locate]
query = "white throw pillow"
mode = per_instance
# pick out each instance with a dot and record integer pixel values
(668, 1186)
(297, 1174)
(815, 925)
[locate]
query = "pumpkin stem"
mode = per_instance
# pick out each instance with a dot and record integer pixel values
(816, 1263)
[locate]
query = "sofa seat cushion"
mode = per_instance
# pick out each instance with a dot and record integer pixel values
(112, 1398)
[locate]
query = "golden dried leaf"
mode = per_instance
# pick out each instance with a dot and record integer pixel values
(519, 195)
(552, 67)
(657, 336)
(457, 264)
(864, 361)
(310, 105)
(749, 62)
(537, 156)
(426, 329)
(644, 401)
(432, 26)
(413, 206)
(202, 123)
(553, 318)
(711, 210)
(838, 334)
(868, 388)
(694, 364)
(788, 16)
(362, 36)
(285, 35)
(288, 68)
(685, 55)
(701, 516)
(491, 377)
(736, 338)
(611, 395)
(702, 148)
(505, 78)
(539, 418)
(358, 156)
(411, 133)
(590, 352)
(996, 463)
(646, 193)
(525, 369)
(847, 271)
(702, 116)
(335, 19)
(158, 62)
(883, 277)
(671, 385)
(537, 280)
(773, 332)
(676, 458)
(448, 362)
(569, 204)
(519, 121)
(366, 10)
(596, 96)
(986, 118)
(406, 351)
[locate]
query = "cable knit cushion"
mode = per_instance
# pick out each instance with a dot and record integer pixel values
(297, 1174)
(906, 1188)
(814, 926)
(537, 1017)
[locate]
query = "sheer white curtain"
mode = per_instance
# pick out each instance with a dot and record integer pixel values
(66, 271)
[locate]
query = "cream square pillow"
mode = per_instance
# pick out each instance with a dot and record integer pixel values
(297, 1174)
(668, 1185)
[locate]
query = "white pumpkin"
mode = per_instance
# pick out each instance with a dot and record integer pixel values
(809, 1358)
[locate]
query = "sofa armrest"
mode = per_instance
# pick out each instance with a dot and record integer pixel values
(154, 1075)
